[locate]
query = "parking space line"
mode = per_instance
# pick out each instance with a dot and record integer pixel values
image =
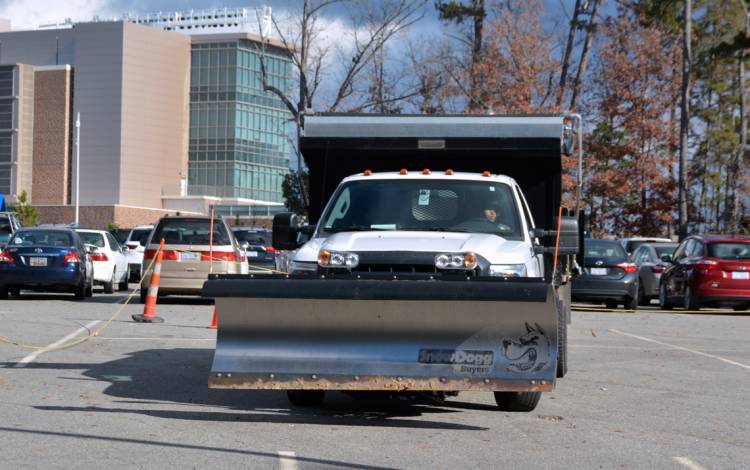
(687, 463)
(156, 338)
(26, 360)
(681, 348)
(287, 460)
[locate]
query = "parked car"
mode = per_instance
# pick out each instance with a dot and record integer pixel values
(648, 258)
(188, 258)
(135, 245)
(632, 243)
(110, 264)
(708, 270)
(120, 234)
(609, 276)
(9, 224)
(257, 243)
(46, 259)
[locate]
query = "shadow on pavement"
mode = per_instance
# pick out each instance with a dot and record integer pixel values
(147, 380)
(97, 298)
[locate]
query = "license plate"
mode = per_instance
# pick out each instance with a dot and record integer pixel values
(37, 261)
(740, 275)
(598, 271)
(252, 253)
(190, 256)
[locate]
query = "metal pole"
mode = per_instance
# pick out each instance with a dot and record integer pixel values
(78, 160)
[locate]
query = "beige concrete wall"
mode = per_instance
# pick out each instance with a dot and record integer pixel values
(155, 113)
(100, 216)
(24, 141)
(52, 120)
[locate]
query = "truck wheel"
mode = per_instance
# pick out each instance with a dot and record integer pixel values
(306, 397)
(517, 401)
(663, 302)
(562, 343)
(109, 286)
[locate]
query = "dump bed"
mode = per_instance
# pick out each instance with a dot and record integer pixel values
(526, 148)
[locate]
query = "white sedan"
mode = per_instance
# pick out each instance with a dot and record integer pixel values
(110, 263)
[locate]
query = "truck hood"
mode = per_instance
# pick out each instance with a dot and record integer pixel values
(492, 247)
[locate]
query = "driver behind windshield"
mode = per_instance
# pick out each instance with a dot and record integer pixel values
(491, 213)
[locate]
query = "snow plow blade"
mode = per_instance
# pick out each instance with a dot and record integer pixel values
(308, 333)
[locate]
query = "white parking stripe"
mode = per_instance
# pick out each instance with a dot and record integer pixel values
(26, 360)
(155, 338)
(687, 463)
(681, 348)
(287, 460)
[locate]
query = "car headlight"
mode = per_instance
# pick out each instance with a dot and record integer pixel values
(508, 270)
(338, 259)
(302, 267)
(466, 260)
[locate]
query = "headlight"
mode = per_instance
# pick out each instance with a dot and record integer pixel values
(508, 270)
(338, 259)
(466, 260)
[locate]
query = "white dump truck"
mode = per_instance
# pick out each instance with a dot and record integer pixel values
(437, 260)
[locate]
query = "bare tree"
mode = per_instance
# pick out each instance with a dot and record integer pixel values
(590, 28)
(685, 116)
(566, 56)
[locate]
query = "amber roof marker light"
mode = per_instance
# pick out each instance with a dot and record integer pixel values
(448, 172)
(485, 173)
(367, 173)
(403, 172)
(426, 171)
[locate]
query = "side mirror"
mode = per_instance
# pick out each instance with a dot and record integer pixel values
(569, 236)
(90, 249)
(286, 226)
(667, 258)
(244, 246)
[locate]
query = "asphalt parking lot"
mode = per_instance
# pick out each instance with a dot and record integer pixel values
(645, 390)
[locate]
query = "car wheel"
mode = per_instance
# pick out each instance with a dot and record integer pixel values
(306, 397)
(739, 308)
(642, 299)
(663, 302)
(611, 304)
(691, 301)
(517, 401)
(144, 294)
(123, 285)
(14, 291)
(80, 291)
(632, 303)
(3, 293)
(109, 286)
(90, 288)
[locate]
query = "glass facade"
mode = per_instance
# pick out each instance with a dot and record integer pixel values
(239, 139)
(7, 101)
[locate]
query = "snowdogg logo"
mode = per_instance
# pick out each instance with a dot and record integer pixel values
(456, 357)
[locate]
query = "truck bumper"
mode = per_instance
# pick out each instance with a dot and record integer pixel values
(306, 333)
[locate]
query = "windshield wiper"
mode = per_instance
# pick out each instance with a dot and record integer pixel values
(353, 228)
(433, 229)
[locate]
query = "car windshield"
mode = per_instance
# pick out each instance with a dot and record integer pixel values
(41, 237)
(424, 205)
(602, 249)
(92, 238)
(662, 250)
(729, 250)
(190, 232)
(253, 238)
(140, 235)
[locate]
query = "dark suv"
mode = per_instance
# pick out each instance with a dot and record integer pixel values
(708, 270)
(261, 256)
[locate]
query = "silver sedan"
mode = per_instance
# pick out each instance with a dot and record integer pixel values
(649, 258)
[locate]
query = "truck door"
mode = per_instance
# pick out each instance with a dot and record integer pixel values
(530, 226)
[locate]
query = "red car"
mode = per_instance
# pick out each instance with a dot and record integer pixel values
(707, 270)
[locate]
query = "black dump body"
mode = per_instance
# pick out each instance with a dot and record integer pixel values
(526, 148)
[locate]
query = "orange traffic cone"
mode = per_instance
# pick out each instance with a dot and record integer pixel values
(215, 323)
(149, 309)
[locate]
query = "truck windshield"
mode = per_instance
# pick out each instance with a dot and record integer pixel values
(424, 205)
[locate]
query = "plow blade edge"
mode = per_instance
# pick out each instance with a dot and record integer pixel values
(397, 335)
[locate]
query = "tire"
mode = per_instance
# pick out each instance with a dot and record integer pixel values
(517, 401)
(90, 288)
(562, 342)
(642, 299)
(632, 303)
(611, 304)
(663, 302)
(14, 291)
(691, 302)
(3, 293)
(739, 308)
(307, 398)
(123, 285)
(80, 291)
(109, 286)
(144, 294)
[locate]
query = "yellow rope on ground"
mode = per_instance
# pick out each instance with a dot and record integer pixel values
(589, 308)
(95, 332)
